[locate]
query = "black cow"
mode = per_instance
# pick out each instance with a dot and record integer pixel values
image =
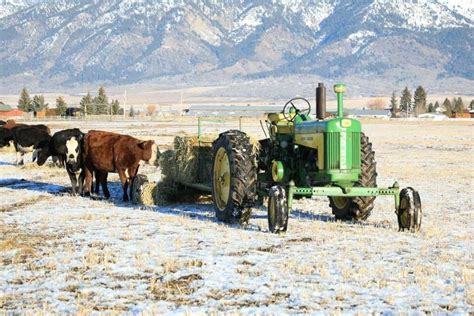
(67, 146)
(31, 138)
(6, 136)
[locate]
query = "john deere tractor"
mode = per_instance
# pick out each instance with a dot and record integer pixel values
(303, 156)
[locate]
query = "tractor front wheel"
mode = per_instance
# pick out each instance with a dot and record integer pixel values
(234, 176)
(277, 210)
(409, 213)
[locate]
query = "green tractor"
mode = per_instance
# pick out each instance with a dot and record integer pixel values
(303, 156)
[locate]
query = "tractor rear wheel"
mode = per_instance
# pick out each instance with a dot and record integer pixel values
(358, 208)
(234, 176)
(277, 210)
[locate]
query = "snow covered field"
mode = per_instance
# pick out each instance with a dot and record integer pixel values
(61, 254)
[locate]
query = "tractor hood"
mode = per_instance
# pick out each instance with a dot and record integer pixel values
(330, 126)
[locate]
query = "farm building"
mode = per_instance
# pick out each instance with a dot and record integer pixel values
(7, 112)
(73, 111)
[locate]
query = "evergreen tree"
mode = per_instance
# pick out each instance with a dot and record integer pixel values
(38, 103)
(471, 106)
(393, 104)
(431, 108)
(61, 106)
(24, 103)
(448, 109)
(459, 106)
(405, 100)
(131, 113)
(87, 107)
(115, 107)
(101, 102)
(420, 100)
(436, 105)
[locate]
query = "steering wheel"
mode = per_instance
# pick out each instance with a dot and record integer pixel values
(290, 107)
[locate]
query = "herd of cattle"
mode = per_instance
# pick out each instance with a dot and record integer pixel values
(82, 154)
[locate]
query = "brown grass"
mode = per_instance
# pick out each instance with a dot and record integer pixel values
(24, 203)
(165, 290)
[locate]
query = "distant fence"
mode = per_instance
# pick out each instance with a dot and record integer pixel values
(110, 118)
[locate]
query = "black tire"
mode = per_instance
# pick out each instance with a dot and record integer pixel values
(409, 213)
(277, 210)
(359, 208)
(238, 149)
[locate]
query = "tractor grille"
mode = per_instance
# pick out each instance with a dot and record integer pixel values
(332, 146)
(355, 150)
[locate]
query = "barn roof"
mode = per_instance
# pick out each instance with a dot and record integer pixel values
(5, 107)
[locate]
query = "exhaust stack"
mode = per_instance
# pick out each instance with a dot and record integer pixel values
(320, 101)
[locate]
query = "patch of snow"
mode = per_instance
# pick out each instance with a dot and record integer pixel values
(360, 39)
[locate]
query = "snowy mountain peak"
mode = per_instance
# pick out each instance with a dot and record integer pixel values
(69, 41)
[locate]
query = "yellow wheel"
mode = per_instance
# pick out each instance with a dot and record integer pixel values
(221, 179)
(234, 176)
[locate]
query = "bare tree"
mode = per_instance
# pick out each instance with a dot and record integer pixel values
(151, 109)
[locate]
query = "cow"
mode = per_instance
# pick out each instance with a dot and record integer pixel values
(66, 145)
(6, 136)
(31, 138)
(106, 152)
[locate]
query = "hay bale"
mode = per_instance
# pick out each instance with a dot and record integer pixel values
(151, 193)
(168, 164)
(192, 158)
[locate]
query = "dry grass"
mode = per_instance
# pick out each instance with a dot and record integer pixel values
(21, 204)
(168, 290)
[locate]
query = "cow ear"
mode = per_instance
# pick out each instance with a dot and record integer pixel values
(142, 145)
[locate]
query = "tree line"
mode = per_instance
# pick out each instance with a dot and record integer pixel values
(88, 105)
(418, 104)
(100, 104)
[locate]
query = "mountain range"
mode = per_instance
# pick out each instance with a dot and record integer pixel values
(376, 44)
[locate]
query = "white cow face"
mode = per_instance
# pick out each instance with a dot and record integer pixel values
(154, 154)
(72, 150)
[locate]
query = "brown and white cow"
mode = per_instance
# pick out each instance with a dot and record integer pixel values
(110, 152)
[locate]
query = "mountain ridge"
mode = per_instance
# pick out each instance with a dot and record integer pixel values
(69, 43)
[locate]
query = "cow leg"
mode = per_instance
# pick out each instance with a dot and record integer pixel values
(133, 174)
(19, 158)
(124, 180)
(88, 181)
(81, 182)
(97, 182)
(72, 177)
(103, 182)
